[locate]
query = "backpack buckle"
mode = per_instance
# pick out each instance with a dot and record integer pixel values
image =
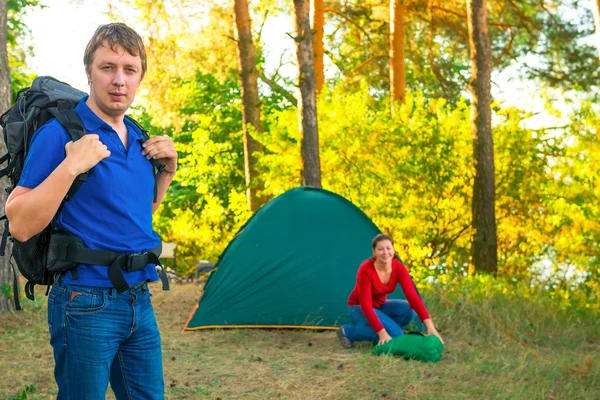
(136, 261)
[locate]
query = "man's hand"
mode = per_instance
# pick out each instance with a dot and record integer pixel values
(162, 149)
(85, 153)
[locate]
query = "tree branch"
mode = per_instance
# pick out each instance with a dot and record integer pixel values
(367, 61)
(524, 17)
(344, 16)
(278, 89)
(556, 21)
(506, 48)
(464, 17)
(430, 39)
(443, 20)
(258, 39)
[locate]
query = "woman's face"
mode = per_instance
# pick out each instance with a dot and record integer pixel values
(384, 251)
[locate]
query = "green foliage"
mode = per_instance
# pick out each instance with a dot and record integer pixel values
(17, 32)
(408, 173)
(573, 201)
(182, 37)
(479, 288)
(544, 40)
(24, 394)
(562, 58)
(6, 290)
(206, 203)
(16, 26)
(412, 172)
(412, 175)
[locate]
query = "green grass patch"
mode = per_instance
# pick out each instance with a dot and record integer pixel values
(497, 347)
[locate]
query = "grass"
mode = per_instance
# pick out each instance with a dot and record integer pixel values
(496, 348)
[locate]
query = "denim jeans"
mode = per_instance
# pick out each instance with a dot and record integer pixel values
(393, 314)
(99, 335)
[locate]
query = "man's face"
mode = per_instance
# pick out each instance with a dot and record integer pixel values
(114, 77)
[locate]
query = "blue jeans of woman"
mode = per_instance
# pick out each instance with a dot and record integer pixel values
(101, 336)
(393, 314)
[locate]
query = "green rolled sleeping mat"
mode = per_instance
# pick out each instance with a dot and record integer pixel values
(413, 347)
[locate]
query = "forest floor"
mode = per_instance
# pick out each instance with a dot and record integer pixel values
(499, 348)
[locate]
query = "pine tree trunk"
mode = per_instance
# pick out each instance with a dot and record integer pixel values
(6, 273)
(596, 12)
(484, 251)
(307, 106)
(317, 28)
(5, 85)
(397, 68)
(250, 101)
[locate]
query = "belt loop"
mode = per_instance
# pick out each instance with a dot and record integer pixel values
(59, 277)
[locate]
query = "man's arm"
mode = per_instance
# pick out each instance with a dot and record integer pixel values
(29, 211)
(162, 149)
(163, 181)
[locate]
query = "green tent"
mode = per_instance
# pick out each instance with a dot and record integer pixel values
(292, 265)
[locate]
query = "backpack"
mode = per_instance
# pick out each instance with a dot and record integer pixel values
(52, 251)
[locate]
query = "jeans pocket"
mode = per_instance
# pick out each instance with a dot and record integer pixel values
(146, 297)
(80, 300)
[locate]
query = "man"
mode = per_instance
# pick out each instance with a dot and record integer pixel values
(98, 333)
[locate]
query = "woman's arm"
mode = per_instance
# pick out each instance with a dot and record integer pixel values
(415, 301)
(365, 295)
(431, 329)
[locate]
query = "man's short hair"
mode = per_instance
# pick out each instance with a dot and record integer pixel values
(115, 34)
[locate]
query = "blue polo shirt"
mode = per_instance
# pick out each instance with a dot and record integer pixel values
(112, 210)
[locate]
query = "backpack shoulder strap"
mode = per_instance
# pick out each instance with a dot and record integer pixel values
(140, 127)
(67, 116)
(157, 166)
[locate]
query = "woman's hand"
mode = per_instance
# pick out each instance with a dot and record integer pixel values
(431, 329)
(383, 336)
(435, 333)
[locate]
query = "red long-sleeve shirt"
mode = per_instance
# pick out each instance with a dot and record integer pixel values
(370, 292)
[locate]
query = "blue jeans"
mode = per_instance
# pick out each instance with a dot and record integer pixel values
(393, 314)
(99, 335)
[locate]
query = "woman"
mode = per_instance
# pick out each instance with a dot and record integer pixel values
(374, 318)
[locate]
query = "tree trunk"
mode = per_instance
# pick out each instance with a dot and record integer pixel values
(317, 28)
(307, 110)
(5, 85)
(397, 69)
(596, 12)
(484, 250)
(6, 272)
(250, 100)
